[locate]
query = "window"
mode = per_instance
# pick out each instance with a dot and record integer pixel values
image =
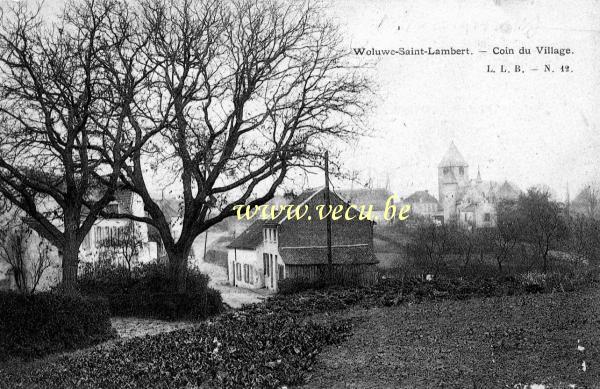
(272, 267)
(250, 275)
(238, 271)
(97, 235)
(264, 234)
(461, 170)
(446, 170)
(275, 235)
(112, 208)
(281, 272)
(265, 264)
(487, 217)
(246, 274)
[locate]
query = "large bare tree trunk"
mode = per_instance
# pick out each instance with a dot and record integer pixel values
(280, 56)
(178, 266)
(69, 267)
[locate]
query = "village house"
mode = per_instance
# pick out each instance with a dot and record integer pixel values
(107, 234)
(422, 203)
(272, 250)
(103, 242)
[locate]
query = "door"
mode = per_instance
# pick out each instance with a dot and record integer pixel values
(273, 267)
(270, 270)
(266, 270)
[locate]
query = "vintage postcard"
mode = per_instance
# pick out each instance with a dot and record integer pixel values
(306, 194)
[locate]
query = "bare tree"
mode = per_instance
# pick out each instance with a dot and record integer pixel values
(236, 95)
(27, 268)
(584, 237)
(57, 121)
(590, 199)
(467, 242)
(432, 244)
(126, 246)
(542, 222)
(502, 240)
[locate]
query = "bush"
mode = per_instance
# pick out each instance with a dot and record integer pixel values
(39, 324)
(346, 277)
(104, 280)
(296, 285)
(147, 292)
(256, 349)
(154, 278)
(566, 279)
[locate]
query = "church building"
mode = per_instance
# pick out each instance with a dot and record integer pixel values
(470, 202)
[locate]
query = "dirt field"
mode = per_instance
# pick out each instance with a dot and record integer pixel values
(510, 342)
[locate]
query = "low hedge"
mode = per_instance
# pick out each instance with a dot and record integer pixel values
(300, 284)
(44, 323)
(258, 349)
(147, 292)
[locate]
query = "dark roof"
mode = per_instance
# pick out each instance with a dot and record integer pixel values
(347, 255)
(252, 236)
(421, 196)
(376, 197)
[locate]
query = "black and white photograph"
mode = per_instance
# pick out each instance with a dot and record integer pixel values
(300, 194)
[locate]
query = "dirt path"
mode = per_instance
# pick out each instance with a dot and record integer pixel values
(480, 343)
(131, 327)
(232, 296)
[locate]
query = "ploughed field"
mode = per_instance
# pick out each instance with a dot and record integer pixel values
(403, 332)
(509, 341)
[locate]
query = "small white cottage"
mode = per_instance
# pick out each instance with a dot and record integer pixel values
(271, 250)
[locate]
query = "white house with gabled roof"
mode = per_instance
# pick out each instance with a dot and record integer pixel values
(272, 250)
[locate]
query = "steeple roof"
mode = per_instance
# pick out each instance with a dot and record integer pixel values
(452, 158)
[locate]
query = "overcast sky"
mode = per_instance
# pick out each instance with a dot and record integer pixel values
(529, 128)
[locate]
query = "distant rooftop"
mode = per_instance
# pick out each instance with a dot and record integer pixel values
(421, 196)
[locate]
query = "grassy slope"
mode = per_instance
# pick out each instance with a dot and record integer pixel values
(477, 343)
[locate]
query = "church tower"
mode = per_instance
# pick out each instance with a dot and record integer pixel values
(453, 179)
